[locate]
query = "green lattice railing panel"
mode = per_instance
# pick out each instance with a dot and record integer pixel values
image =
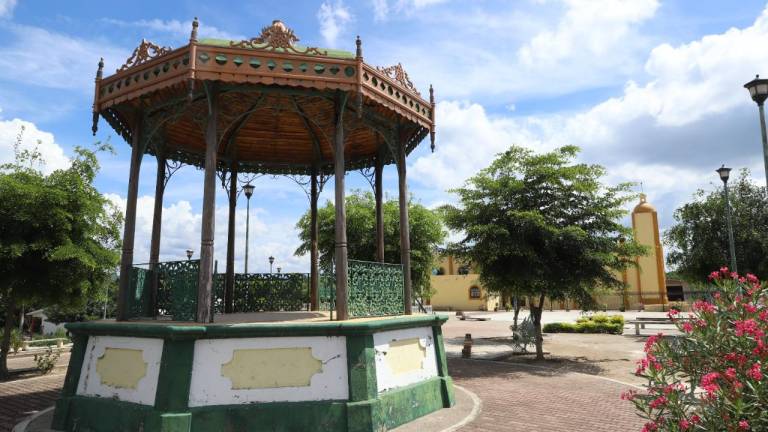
(139, 299)
(326, 292)
(374, 289)
(177, 289)
(264, 292)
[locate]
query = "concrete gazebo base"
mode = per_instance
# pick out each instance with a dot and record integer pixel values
(358, 375)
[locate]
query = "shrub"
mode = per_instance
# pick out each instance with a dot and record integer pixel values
(712, 377)
(600, 318)
(585, 326)
(558, 327)
(47, 360)
(617, 319)
(16, 340)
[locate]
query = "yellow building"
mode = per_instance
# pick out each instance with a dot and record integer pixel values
(646, 284)
(456, 286)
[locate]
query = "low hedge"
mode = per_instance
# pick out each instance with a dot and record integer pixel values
(586, 326)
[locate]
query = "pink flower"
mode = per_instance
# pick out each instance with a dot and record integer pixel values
(687, 327)
(658, 402)
(709, 382)
(752, 278)
(748, 327)
(684, 424)
(673, 313)
(730, 373)
(750, 308)
(628, 395)
(755, 372)
(744, 425)
(703, 306)
(695, 419)
(649, 427)
(652, 341)
(714, 276)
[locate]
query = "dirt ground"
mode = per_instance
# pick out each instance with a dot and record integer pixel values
(609, 356)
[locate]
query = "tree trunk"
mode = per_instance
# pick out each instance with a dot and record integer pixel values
(536, 318)
(5, 345)
(516, 306)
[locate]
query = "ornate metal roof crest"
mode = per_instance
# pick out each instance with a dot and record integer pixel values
(399, 74)
(145, 52)
(276, 36)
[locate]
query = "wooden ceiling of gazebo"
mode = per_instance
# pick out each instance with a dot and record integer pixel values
(277, 100)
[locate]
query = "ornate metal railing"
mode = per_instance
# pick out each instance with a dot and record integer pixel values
(375, 289)
(176, 290)
(264, 292)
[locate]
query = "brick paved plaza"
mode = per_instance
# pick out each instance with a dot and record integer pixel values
(514, 397)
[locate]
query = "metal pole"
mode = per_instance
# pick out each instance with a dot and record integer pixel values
(247, 229)
(405, 236)
(765, 140)
(205, 282)
(731, 244)
(341, 214)
(314, 273)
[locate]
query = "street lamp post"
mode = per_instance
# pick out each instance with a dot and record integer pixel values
(271, 261)
(248, 190)
(724, 175)
(758, 89)
(278, 270)
(189, 254)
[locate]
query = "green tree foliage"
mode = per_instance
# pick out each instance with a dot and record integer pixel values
(698, 241)
(58, 235)
(541, 225)
(426, 234)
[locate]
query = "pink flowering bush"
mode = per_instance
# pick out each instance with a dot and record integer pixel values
(712, 378)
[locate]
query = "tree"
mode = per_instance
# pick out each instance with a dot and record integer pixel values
(58, 235)
(542, 226)
(698, 241)
(426, 234)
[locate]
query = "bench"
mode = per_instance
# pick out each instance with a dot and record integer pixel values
(464, 317)
(641, 322)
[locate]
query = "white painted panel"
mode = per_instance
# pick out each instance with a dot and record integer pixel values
(90, 382)
(386, 378)
(209, 387)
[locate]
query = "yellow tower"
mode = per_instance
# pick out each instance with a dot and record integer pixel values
(647, 282)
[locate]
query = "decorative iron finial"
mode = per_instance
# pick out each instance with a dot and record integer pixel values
(145, 52)
(193, 35)
(432, 117)
(99, 74)
(100, 71)
(276, 37)
(359, 51)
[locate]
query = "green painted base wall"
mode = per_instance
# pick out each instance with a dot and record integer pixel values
(389, 410)
(365, 411)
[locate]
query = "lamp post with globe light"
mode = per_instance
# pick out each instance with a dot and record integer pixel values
(248, 190)
(758, 90)
(724, 175)
(271, 261)
(189, 254)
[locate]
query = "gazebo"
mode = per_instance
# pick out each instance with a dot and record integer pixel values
(266, 105)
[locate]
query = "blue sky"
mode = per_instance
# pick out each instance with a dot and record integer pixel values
(651, 89)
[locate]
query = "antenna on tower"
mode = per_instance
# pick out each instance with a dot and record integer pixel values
(641, 188)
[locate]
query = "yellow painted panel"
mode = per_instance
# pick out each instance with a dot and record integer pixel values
(271, 368)
(121, 367)
(406, 355)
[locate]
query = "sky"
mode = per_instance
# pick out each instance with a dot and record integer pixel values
(650, 89)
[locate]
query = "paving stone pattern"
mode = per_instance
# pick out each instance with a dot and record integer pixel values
(21, 398)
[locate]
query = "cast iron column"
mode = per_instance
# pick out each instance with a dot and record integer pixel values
(157, 221)
(405, 236)
(765, 140)
(205, 283)
(129, 229)
(379, 169)
(313, 270)
(731, 244)
(229, 287)
(341, 214)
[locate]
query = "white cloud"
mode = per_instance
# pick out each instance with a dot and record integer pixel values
(333, 18)
(670, 133)
(6, 8)
(32, 138)
(181, 231)
(381, 8)
(44, 58)
(178, 30)
(520, 51)
(597, 27)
